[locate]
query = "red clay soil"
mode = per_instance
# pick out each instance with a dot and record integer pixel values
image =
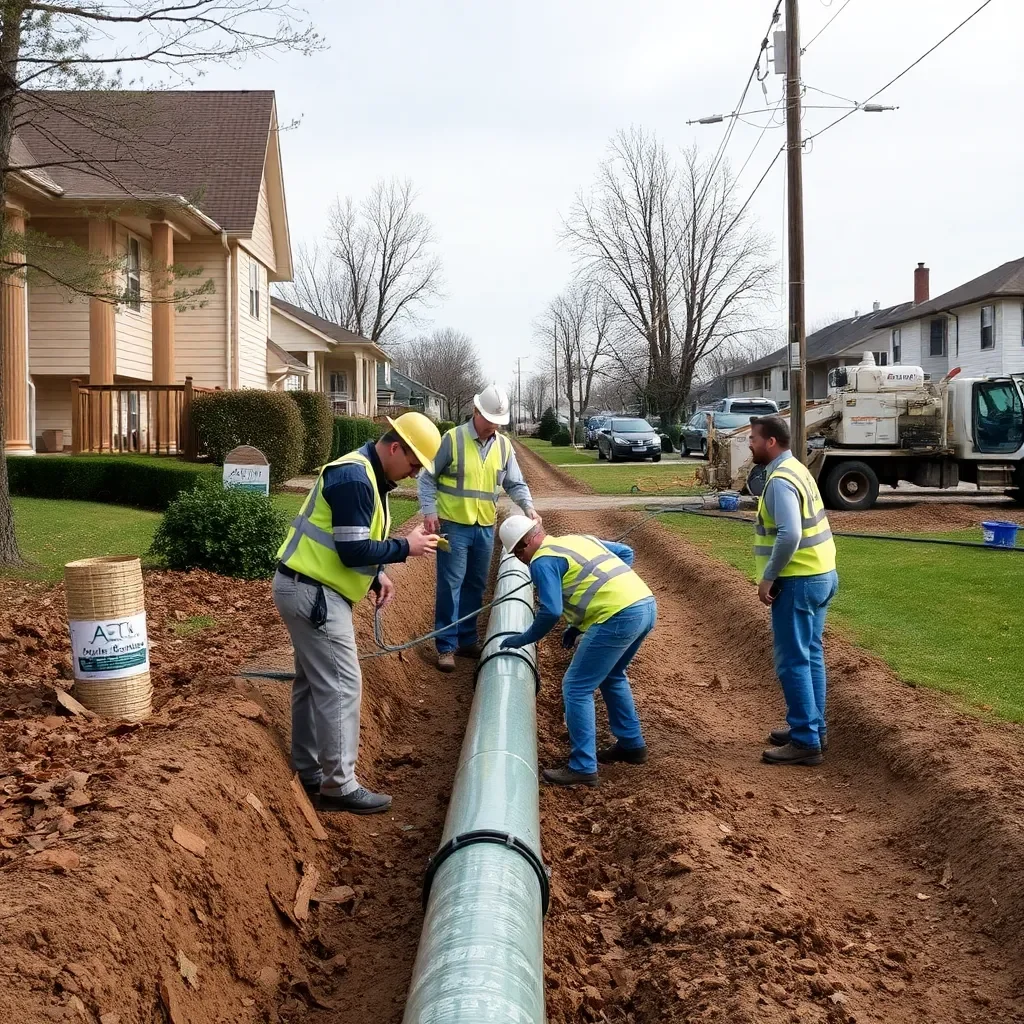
(545, 478)
(932, 516)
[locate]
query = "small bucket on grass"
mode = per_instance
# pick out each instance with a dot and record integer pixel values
(998, 534)
(728, 501)
(109, 645)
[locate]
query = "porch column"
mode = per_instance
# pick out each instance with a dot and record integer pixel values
(14, 330)
(358, 389)
(101, 311)
(162, 287)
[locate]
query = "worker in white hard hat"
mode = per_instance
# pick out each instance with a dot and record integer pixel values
(330, 559)
(459, 501)
(591, 582)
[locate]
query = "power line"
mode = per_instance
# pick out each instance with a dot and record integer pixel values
(825, 26)
(907, 69)
(764, 129)
(742, 209)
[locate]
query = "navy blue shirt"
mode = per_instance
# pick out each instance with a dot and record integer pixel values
(350, 496)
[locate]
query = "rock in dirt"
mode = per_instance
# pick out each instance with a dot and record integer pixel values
(894, 986)
(282, 907)
(338, 894)
(269, 979)
(254, 802)
(308, 884)
(680, 864)
(166, 903)
(54, 860)
(110, 1018)
(189, 841)
(189, 971)
(66, 701)
(248, 709)
(776, 992)
(319, 832)
(169, 998)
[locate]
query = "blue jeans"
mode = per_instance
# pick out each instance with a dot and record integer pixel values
(600, 663)
(461, 581)
(798, 621)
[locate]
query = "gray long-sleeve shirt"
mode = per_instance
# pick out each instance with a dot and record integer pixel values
(782, 502)
(514, 484)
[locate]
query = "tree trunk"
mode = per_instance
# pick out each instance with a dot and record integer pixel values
(10, 45)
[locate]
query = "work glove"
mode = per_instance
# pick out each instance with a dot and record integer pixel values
(512, 643)
(569, 637)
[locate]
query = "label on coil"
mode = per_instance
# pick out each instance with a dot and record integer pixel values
(111, 649)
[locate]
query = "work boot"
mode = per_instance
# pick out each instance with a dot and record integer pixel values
(627, 755)
(446, 662)
(567, 777)
(792, 753)
(362, 801)
(473, 650)
(780, 737)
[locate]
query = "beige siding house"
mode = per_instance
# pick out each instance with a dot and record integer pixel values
(339, 363)
(173, 193)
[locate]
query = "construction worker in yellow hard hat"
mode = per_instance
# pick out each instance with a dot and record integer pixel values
(459, 499)
(331, 558)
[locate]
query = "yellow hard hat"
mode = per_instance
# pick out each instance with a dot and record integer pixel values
(421, 435)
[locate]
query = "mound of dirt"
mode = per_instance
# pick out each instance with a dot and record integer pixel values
(925, 517)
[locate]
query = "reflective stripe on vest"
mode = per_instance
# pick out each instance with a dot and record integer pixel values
(309, 547)
(597, 583)
(816, 553)
(468, 490)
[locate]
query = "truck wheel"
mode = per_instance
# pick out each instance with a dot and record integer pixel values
(851, 487)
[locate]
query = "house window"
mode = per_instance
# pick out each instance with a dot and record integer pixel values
(937, 337)
(339, 384)
(387, 373)
(897, 346)
(988, 326)
(293, 382)
(766, 382)
(881, 358)
(133, 275)
(254, 289)
(785, 380)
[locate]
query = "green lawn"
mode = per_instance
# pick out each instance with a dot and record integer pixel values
(559, 456)
(52, 532)
(640, 478)
(939, 616)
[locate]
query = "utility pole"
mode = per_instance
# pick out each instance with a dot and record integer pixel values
(795, 206)
(554, 335)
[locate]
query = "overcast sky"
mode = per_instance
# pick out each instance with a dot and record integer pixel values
(500, 113)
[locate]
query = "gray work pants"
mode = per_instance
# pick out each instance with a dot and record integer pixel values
(328, 687)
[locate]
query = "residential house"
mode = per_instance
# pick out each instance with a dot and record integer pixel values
(978, 326)
(170, 192)
(399, 391)
(343, 365)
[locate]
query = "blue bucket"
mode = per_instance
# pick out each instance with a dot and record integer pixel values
(997, 534)
(728, 501)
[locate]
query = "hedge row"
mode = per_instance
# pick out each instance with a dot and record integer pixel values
(268, 420)
(150, 482)
(351, 432)
(318, 421)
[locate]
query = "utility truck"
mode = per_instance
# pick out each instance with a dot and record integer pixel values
(890, 425)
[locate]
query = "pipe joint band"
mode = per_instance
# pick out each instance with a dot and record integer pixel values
(509, 653)
(497, 838)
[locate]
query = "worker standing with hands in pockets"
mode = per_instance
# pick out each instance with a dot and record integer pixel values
(795, 557)
(330, 559)
(459, 499)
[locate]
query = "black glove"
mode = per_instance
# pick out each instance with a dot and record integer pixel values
(569, 637)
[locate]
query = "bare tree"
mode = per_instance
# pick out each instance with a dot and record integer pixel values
(536, 390)
(675, 258)
(578, 324)
(52, 45)
(315, 286)
(447, 361)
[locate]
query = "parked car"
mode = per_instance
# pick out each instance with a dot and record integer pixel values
(746, 406)
(594, 427)
(628, 438)
(729, 414)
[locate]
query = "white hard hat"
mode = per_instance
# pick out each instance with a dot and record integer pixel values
(513, 530)
(492, 403)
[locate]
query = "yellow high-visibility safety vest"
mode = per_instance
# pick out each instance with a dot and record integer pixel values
(309, 547)
(469, 488)
(597, 583)
(817, 551)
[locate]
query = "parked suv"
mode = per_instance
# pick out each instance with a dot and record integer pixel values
(628, 438)
(594, 427)
(729, 414)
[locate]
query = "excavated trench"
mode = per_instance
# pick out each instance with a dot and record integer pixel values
(884, 886)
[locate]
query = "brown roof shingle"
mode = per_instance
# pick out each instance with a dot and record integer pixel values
(207, 146)
(318, 323)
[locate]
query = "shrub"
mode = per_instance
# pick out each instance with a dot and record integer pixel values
(230, 532)
(548, 425)
(351, 432)
(142, 481)
(562, 438)
(445, 425)
(318, 426)
(674, 432)
(268, 420)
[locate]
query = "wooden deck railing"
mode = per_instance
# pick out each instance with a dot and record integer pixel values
(155, 419)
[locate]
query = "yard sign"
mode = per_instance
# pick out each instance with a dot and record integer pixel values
(247, 469)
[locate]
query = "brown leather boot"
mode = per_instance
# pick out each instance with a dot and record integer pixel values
(446, 662)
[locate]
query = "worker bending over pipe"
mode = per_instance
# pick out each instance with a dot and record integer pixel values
(592, 584)
(459, 498)
(330, 559)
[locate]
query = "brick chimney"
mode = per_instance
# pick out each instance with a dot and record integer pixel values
(920, 284)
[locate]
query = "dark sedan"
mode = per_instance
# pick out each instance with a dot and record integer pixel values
(694, 435)
(625, 438)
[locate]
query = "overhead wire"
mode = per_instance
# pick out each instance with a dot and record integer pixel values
(906, 70)
(804, 49)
